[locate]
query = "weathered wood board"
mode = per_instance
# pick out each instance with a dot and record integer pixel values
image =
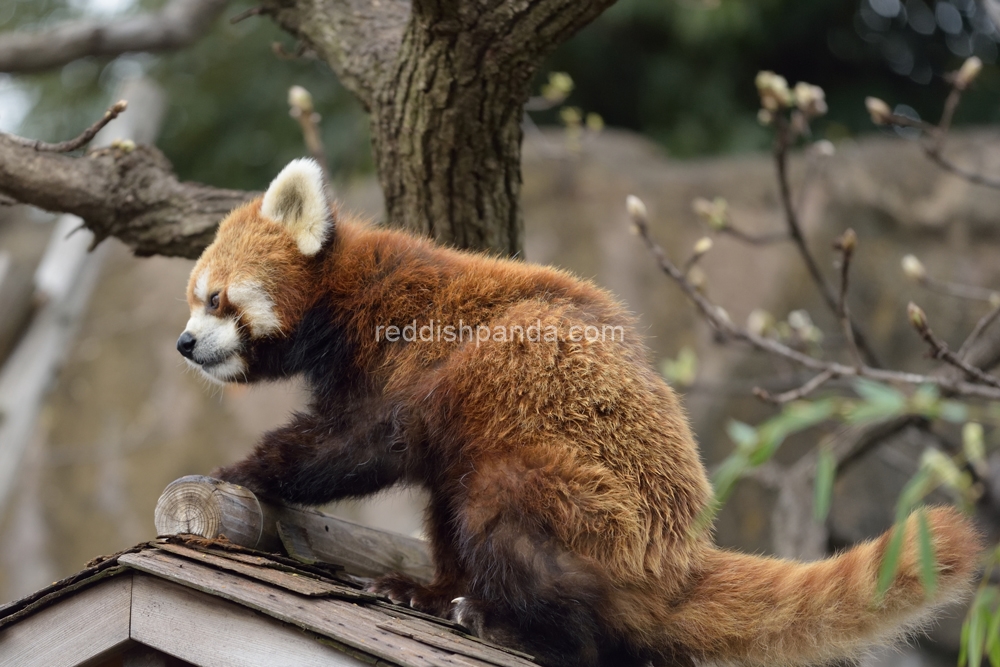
(82, 627)
(210, 632)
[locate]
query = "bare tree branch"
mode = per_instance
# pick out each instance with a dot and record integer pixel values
(720, 321)
(795, 394)
(132, 195)
(941, 351)
(846, 244)
(783, 140)
(82, 140)
(984, 322)
(178, 24)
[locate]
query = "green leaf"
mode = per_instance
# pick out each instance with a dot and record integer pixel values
(977, 636)
(963, 642)
(796, 417)
(742, 434)
(682, 371)
(890, 561)
(993, 639)
(914, 492)
(727, 474)
(928, 562)
(954, 411)
(879, 402)
(876, 392)
(826, 468)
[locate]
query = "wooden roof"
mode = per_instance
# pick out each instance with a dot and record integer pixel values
(209, 602)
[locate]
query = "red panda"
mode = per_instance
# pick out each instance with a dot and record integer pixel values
(565, 484)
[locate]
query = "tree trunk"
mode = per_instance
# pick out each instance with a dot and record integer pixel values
(446, 103)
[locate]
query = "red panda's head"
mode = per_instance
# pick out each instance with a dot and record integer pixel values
(252, 283)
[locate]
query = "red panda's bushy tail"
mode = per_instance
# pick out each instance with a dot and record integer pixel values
(767, 611)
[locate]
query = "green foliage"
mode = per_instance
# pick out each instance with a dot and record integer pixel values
(683, 370)
(826, 469)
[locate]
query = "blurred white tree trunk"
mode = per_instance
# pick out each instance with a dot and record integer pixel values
(63, 283)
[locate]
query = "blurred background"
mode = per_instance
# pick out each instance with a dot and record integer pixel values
(659, 101)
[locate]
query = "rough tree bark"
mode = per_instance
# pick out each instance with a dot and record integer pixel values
(445, 82)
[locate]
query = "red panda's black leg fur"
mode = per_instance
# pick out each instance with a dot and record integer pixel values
(314, 460)
(528, 592)
(450, 578)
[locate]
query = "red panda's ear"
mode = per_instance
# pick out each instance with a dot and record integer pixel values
(297, 199)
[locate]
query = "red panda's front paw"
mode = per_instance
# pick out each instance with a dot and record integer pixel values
(402, 590)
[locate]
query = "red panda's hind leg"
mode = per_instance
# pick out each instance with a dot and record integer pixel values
(528, 593)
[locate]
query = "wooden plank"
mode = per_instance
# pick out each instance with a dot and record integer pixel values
(83, 627)
(261, 571)
(210, 632)
(315, 537)
(455, 641)
(347, 623)
(28, 606)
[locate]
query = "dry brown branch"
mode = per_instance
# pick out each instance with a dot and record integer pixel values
(755, 239)
(846, 244)
(244, 15)
(940, 350)
(935, 135)
(795, 394)
(301, 109)
(177, 24)
(85, 137)
(984, 322)
(720, 321)
(132, 195)
(948, 288)
(784, 137)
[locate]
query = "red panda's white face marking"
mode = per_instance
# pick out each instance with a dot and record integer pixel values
(211, 341)
(201, 286)
(217, 347)
(257, 307)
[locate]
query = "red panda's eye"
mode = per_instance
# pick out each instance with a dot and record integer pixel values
(213, 301)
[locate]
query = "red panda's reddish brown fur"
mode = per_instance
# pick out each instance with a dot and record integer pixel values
(565, 482)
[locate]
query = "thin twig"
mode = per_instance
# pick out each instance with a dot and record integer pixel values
(244, 15)
(720, 321)
(781, 146)
(977, 331)
(846, 244)
(278, 49)
(935, 145)
(755, 239)
(301, 109)
(970, 176)
(80, 141)
(940, 348)
(795, 394)
(971, 292)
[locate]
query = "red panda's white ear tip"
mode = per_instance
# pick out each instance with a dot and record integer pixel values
(296, 198)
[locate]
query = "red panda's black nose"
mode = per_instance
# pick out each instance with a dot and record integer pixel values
(185, 345)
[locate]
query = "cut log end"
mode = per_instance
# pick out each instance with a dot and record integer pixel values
(189, 505)
(211, 508)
